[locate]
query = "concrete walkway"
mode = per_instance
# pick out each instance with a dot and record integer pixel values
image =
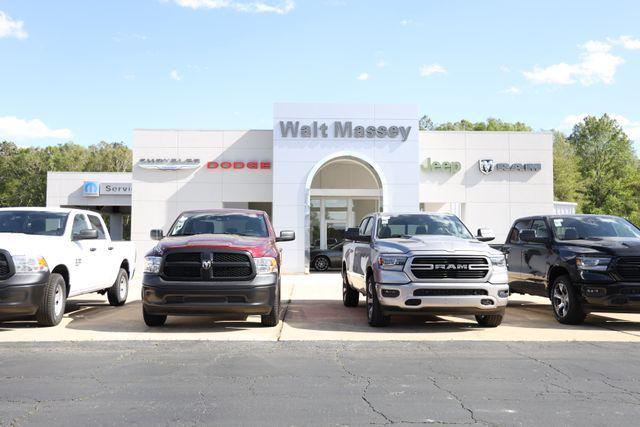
(312, 310)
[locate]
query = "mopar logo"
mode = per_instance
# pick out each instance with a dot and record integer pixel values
(206, 264)
(91, 188)
(445, 266)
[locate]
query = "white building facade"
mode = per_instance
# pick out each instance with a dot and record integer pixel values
(324, 166)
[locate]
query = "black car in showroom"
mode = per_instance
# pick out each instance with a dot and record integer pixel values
(582, 263)
(327, 259)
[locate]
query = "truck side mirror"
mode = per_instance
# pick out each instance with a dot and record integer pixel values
(485, 235)
(286, 236)
(530, 236)
(156, 234)
(354, 235)
(86, 234)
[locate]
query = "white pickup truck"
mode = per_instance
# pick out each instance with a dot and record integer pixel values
(47, 255)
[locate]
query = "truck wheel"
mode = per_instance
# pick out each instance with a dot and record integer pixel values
(153, 320)
(566, 303)
(489, 320)
(54, 300)
(321, 263)
(374, 310)
(117, 294)
(350, 296)
(273, 318)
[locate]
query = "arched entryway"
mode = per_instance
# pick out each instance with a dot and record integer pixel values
(341, 191)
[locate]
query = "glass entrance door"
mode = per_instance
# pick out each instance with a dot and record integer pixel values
(331, 216)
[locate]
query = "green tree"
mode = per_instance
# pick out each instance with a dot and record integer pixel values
(490, 124)
(425, 123)
(23, 171)
(566, 174)
(608, 167)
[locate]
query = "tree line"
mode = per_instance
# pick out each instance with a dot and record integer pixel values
(594, 166)
(23, 170)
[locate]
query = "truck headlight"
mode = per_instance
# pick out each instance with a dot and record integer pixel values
(592, 263)
(392, 262)
(29, 264)
(266, 265)
(152, 264)
(499, 261)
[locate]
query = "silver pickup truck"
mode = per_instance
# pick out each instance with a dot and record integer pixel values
(423, 263)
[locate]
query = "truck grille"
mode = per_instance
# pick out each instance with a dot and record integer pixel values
(448, 292)
(628, 268)
(5, 270)
(449, 267)
(204, 266)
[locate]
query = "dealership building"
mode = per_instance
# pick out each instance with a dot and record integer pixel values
(319, 171)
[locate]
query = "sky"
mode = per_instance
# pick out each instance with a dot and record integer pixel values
(91, 71)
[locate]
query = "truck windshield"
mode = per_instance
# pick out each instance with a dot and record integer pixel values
(592, 227)
(421, 224)
(39, 223)
(243, 224)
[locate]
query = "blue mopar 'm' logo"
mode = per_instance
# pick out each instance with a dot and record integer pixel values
(91, 188)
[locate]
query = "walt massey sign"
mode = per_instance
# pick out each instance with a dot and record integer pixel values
(339, 129)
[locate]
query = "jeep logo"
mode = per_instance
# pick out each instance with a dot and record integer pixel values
(445, 266)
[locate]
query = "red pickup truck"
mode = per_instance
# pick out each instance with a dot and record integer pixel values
(214, 262)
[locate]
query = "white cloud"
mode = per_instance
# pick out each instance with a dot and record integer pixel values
(129, 76)
(512, 90)
(15, 129)
(427, 70)
(175, 75)
(11, 28)
(381, 63)
(628, 42)
(630, 127)
(363, 76)
(281, 7)
(597, 65)
(405, 22)
(505, 69)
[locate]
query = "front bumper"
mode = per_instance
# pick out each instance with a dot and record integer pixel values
(449, 297)
(617, 296)
(207, 298)
(21, 295)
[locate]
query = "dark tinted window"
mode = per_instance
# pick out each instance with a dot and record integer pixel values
(592, 227)
(243, 224)
(514, 237)
(540, 228)
(33, 222)
(97, 225)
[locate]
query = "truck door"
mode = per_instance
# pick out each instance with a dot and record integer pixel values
(513, 251)
(85, 259)
(361, 255)
(535, 258)
(103, 270)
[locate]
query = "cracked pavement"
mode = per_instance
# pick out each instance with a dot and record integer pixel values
(319, 383)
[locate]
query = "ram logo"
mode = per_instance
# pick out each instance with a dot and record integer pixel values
(486, 166)
(446, 266)
(206, 264)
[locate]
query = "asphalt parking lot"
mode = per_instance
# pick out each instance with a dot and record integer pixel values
(322, 365)
(312, 310)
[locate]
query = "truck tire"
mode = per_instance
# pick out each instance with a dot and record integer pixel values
(273, 318)
(350, 296)
(153, 320)
(54, 300)
(489, 320)
(374, 310)
(565, 300)
(117, 294)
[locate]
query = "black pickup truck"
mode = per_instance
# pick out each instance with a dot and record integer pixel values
(583, 263)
